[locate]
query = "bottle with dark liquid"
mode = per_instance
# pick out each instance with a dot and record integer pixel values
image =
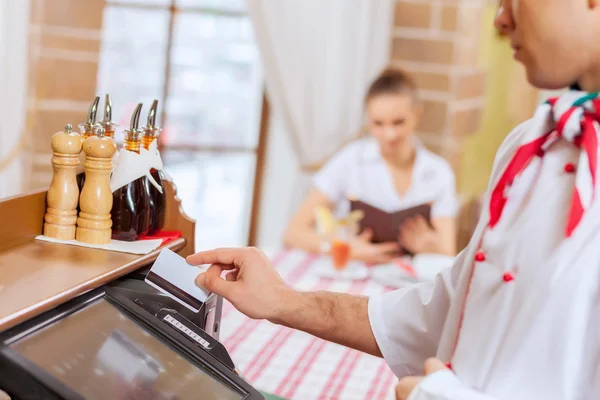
(131, 207)
(157, 199)
(88, 129)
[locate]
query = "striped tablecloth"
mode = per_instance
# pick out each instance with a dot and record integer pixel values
(296, 365)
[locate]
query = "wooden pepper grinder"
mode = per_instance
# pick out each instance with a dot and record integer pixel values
(94, 222)
(63, 194)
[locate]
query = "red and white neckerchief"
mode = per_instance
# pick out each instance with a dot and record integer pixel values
(574, 117)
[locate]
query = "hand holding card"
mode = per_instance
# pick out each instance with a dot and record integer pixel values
(172, 275)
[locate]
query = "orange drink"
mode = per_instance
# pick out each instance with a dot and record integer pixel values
(340, 254)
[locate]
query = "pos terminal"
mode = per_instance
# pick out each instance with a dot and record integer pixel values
(121, 341)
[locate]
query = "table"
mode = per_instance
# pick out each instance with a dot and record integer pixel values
(295, 365)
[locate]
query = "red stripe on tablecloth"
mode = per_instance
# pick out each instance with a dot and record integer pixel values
(232, 342)
(277, 258)
(301, 374)
(269, 350)
(294, 371)
(341, 369)
(298, 272)
(377, 381)
(353, 361)
(267, 353)
(310, 355)
(387, 384)
(342, 382)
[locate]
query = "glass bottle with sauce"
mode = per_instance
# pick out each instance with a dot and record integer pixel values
(157, 199)
(131, 207)
(88, 129)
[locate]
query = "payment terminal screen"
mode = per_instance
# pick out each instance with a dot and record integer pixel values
(100, 353)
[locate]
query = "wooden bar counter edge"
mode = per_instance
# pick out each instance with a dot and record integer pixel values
(37, 276)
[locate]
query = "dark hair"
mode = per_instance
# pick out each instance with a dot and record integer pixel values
(392, 81)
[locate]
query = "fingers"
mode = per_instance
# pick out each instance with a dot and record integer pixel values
(232, 276)
(406, 385)
(383, 259)
(419, 219)
(366, 235)
(434, 365)
(417, 225)
(406, 239)
(212, 281)
(235, 256)
(389, 247)
(410, 225)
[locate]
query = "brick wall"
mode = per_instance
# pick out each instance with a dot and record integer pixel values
(437, 41)
(65, 42)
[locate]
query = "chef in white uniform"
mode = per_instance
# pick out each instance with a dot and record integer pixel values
(518, 316)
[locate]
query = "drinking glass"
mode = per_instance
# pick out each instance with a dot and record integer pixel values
(339, 248)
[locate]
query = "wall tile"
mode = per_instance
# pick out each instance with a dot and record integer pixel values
(422, 50)
(412, 15)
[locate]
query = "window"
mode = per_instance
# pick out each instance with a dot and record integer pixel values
(200, 60)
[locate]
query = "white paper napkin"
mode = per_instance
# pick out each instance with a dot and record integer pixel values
(129, 166)
(137, 247)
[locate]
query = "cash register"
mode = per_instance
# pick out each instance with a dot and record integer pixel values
(81, 323)
(120, 341)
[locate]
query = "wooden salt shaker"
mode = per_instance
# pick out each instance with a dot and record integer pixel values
(63, 194)
(94, 222)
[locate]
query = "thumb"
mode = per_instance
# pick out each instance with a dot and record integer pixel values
(434, 365)
(366, 235)
(211, 280)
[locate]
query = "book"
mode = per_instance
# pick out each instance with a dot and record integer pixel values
(385, 226)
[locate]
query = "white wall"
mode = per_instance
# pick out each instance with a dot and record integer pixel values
(280, 194)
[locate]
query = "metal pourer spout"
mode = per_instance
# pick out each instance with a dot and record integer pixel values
(87, 128)
(93, 110)
(133, 133)
(107, 109)
(152, 131)
(152, 115)
(109, 125)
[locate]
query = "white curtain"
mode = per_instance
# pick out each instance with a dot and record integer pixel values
(14, 32)
(319, 57)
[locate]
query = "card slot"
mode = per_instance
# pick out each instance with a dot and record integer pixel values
(173, 290)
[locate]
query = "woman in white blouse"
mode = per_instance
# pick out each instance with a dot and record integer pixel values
(389, 170)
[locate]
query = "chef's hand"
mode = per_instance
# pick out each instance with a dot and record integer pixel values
(251, 284)
(417, 236)
(407, 384)
(363, 250)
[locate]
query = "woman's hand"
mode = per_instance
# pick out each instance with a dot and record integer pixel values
(417, 236)
(362, 249)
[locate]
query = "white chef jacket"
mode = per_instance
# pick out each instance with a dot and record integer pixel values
(518, 315)
(359, 171)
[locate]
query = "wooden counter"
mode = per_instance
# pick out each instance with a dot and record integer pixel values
(37, 276)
